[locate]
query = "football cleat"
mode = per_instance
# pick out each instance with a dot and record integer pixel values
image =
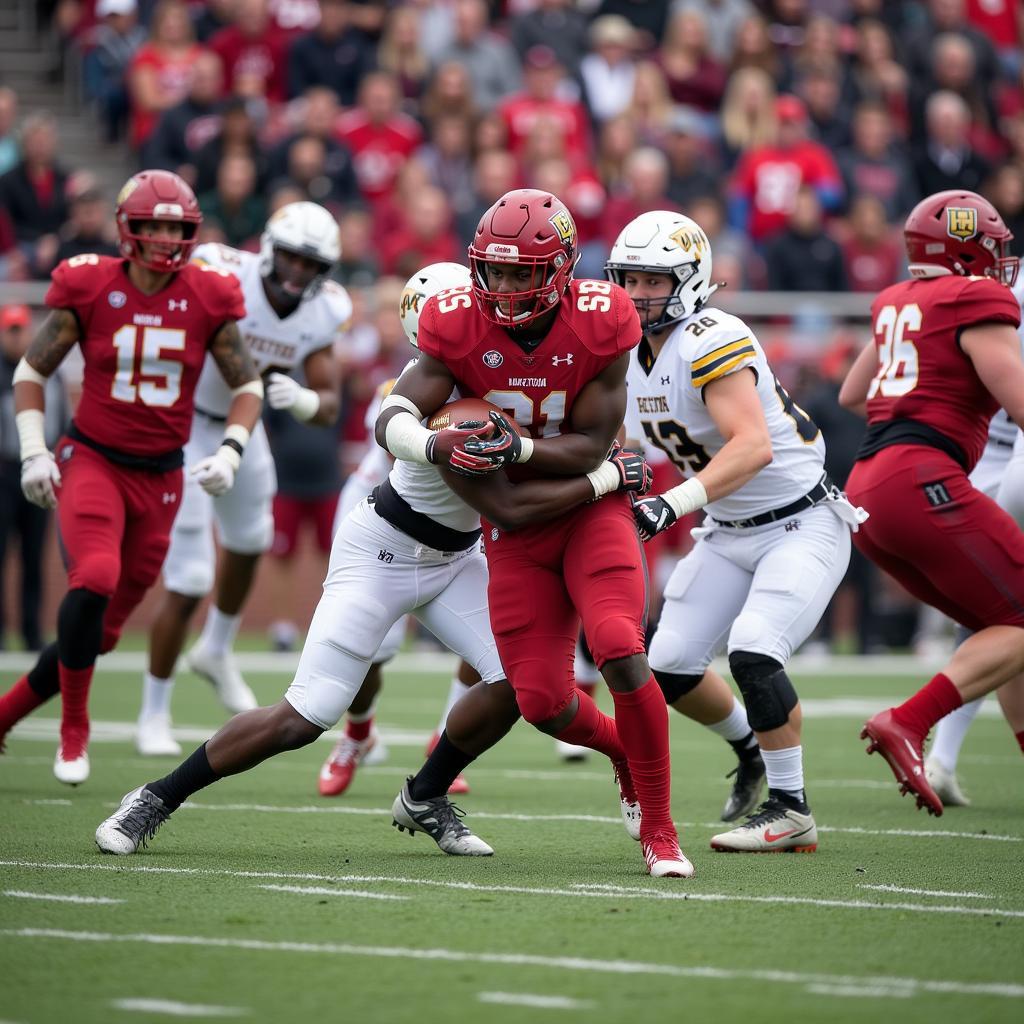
(629, 802)
(664, 858)
(133, 824)
(746, 790)
(904, 751)
(775, 828)
(377, 754)
(441, 820)
(571, 752)
(340, 767)
(222, 673)
(71, 765)
(945, 783)
(153, 737)
(460, 784)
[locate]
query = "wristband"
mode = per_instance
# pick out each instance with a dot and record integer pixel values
(307, 404)
(687, 497)
(250, 387)
(604, 479)
(526, 448)
(31, 433)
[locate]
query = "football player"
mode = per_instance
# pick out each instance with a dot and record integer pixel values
(945, 356)
(145, 323)
(411, 547)
(552, 352)
(293, 314)
(775, 542)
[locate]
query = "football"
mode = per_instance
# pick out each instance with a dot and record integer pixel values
(463, 410)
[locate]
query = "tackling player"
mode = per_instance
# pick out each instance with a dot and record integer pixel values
(145, 323)
(945, 356)
(293, 314)
(775, 543)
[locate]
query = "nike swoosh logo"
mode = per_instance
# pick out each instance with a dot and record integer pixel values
(769, 838)
(910, 746)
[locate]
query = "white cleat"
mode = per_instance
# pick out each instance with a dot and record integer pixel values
(378, 752)
(570, 752)
(153, 737)
(73, 771)
(441, 820)
(629, 804)
(665, 859)
(135, 822)
(222, 673)
(774, 828)
(945, 783)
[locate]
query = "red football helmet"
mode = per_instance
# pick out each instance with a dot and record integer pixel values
(529, 228)
(959, 232)
(157, 195)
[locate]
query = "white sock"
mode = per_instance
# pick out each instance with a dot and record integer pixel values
(785, 769)
(734, 726)
(455, 692)
(950, 733)
(219, 632)
(156, 695)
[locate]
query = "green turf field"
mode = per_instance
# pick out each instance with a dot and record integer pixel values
(264, 902)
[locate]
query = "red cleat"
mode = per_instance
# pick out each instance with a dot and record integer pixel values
(904, 750)
(339, 769)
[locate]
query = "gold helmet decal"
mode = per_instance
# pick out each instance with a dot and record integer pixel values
(562, 223)
(410, 302)
(961, 222)
(688, 240)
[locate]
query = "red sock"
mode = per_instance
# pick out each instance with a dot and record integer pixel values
(74, 695)
(359, 731)
(594, 729)
(1020, 740)
(933, 701)
(642, 720)
(16, 703)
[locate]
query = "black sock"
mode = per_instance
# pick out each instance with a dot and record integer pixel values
(190, 776)
(44, 676)
(439, 771)
(795, 801)
(747, 748)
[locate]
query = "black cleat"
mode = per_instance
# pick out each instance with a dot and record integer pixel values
(746, 790)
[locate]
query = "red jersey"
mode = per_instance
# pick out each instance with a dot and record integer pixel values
(596, 323)
(142, 353)
(378, 150)
(923, 374)
(264, 57)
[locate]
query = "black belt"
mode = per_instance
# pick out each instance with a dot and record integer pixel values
(393, 508)
(823, 489)
(165, 462)
(909, 431)
(211, 415)
(1000, 442)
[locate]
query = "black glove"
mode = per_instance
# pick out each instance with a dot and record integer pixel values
(652, 515)
(477, 457)
(634, 472)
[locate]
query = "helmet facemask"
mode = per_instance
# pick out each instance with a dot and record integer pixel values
(166, 255)
(518, 308)
(292, 283)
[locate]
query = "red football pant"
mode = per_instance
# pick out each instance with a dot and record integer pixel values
(964, 555)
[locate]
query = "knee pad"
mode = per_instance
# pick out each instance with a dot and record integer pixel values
(80, 627)
(617, 636)
(251, 537)
(766, 689)
(670, 653)
(538, 705)
(674, 685)
(97, 573)
(190, 563)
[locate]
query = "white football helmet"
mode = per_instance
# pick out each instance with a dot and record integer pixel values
(665, 243)
(306, 229)
(438, 277)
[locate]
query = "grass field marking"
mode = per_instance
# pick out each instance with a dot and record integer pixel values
(313, 890)
(861, 991)
(997, 989)
(929, 892)
(535, 1002)
(54, 897)
(175, 1009)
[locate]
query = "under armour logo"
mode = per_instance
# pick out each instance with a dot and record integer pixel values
(170, 497)
(556, 361)
(666, 380)
(385, 556)
(792, 525)
(173, 304)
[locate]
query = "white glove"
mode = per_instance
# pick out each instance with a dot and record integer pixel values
(285, 393)
(216, 473)
(39, 477)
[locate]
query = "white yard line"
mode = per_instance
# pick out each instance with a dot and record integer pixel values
(862, 991)
(313, 890)
(54, 897)
(929, 892)
(997, 989)
(174, 1009)
(535, 1002)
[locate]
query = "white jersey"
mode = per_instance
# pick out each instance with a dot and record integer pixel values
(666, 407)
(424, 489)
(273, 342)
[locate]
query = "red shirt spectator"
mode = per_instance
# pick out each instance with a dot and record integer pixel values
(997, 19)
(380, 137)
(873, 254)
(426, 238)
(645, 182)
(253, 47)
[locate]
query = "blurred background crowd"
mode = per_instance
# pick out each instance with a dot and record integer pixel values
(798, 133)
